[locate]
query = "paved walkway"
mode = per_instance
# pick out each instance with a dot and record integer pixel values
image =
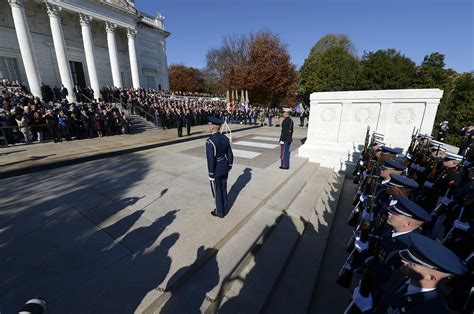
(17, 158)
(107, 236)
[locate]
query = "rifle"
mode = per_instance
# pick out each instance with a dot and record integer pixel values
(451, 236)
(413, 142)
(355, 259)
(355, 213)
(356, 173)
(368, 154)
(366, 283)
(213, 188)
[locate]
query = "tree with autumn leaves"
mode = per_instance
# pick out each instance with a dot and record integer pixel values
(259, 63)
(186, 79)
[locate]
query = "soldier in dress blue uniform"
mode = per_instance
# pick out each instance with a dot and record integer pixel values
(404, 218)
(219, 163)
(427, 264)
(388, 167)
(286, 138)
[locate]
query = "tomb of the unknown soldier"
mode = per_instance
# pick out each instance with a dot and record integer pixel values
(221, 157)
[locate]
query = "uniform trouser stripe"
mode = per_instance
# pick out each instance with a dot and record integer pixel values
(282, 157)
(285, 155)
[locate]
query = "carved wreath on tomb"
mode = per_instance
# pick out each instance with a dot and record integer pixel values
(405, 116)
(328, 114)
(364, 115)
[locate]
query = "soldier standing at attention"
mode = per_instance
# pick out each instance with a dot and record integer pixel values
(219, 163)
(426, 263)
(286, 138)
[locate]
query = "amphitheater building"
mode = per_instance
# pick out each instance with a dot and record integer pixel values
(82, 42)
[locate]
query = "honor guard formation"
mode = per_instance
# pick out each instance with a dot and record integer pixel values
(412, 249)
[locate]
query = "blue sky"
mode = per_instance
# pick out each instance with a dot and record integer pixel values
(415, 27)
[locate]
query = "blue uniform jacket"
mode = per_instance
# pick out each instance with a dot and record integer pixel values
(219, 155)
(431, 302)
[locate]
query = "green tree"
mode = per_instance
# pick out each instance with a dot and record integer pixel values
(387, 69)
(308, 80)
(431, 73)
(457, 106)
(335, 70)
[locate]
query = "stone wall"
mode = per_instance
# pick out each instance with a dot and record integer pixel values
(338, 120)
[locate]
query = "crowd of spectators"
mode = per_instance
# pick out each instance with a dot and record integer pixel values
(24, 118)
(170, 110)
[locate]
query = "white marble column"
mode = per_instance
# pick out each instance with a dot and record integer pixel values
(114, 64)
(133, 58)
(164, 68)
(60, 48)
(85, 21)
(26, 46)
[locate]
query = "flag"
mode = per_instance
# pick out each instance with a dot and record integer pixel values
(298, 107)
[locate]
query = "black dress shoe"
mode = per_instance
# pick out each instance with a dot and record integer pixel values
(213, 213)
(283, 168)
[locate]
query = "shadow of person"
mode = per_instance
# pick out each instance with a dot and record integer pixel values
(131, 279)
(122, 226)
(128, 201)
(188, 298)
(142, 237)
(267, 264)
(57, 218)
(239, 185)
(122, 287)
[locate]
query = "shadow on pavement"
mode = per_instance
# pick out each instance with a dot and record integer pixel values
(239, 185)
(62, 239)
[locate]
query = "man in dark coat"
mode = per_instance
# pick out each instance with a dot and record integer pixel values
(178, 119)
(286, 138)
(188, 120)
(64, 92)
(219, 163)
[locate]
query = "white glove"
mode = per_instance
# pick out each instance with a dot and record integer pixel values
(362, 302)
(365, 215)
(446, 200)
(212, 179)
(463, 226)
(428, 184)
(281, 142)
(363, 198)
(360, 246)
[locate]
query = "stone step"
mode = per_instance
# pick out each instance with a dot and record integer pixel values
(293, 292)
(235, 257)
(256, 194)
(264, 269)
(328, 296)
